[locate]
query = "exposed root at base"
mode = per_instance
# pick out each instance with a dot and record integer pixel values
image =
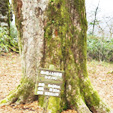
(20, 95)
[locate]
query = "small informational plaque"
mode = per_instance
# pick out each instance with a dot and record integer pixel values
(49, 82)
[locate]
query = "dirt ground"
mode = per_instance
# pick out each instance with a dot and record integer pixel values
(100, 73)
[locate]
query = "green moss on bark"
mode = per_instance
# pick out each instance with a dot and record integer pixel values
(61, 36)
(54, 104)
(65, 36)
(21, 93)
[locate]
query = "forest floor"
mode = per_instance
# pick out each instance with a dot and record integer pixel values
(100, 74)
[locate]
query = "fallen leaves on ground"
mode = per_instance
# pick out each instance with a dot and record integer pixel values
(100, 74)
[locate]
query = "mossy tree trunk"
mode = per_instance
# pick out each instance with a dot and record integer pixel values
(54, 32)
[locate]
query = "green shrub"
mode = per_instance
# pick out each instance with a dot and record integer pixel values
(100, 48)
(13, 38)
(4, 39)
(7, 43)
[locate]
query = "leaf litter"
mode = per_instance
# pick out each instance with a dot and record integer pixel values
(100, 74)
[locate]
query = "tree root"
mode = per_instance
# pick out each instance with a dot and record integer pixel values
(20, 95)
(82, 107)
(90, 103)
(93, 100)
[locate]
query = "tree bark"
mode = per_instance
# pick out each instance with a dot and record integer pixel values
(29, 20)
(54, 32)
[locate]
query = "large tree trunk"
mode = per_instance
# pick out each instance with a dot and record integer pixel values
(29, 19)
(54, 32)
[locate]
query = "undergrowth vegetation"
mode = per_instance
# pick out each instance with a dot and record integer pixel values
(8, 43)
(100, 48)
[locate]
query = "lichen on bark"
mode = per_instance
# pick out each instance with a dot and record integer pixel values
(31, 36)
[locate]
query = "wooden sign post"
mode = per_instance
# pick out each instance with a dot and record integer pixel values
(49, 83)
